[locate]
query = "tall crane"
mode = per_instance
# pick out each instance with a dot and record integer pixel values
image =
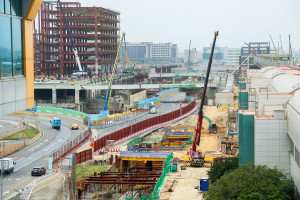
(108, 94)
(197, 159)
(71, 37)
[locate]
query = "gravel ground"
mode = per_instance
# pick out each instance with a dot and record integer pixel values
(177, 97)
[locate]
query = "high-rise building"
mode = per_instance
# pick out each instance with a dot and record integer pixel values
(16, 54)
(219, 55)
(95, 31)
(137, 52)
(193, 54)
(147, 52)
(233, 56)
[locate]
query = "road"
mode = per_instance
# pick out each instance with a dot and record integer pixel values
(37, 154)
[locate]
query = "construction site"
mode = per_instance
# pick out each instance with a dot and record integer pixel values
(161, 156)
(95, 31)
(155, 164)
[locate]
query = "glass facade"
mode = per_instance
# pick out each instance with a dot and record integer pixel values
(11, 58)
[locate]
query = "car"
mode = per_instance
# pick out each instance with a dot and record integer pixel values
(74, 127)
(38, 171)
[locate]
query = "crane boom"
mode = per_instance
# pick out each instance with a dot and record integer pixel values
(194, 153)
(108, 94)
(71, 37)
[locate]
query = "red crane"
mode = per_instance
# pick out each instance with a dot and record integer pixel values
(197, 159)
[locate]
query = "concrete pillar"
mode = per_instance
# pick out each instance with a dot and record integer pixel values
(77, 96)
(173, 80)
(54, 99)
(65, 94)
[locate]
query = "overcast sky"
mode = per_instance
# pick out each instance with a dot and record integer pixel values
(178, 21)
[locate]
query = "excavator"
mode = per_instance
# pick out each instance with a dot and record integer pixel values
(196, 157)
(126, 61)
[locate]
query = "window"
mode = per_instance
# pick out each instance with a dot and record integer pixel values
(7, 7)
(5, 47)
(16, 7)
(17, 47)
(1, 6)
(11, 59)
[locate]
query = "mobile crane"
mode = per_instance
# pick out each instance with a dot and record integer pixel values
(196, 157)
(80, 72)
(104, 110)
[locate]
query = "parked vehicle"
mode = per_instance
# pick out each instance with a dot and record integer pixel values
(38, 171)
(7, 165)
(74, 127)
(153, 110)
(56, 122)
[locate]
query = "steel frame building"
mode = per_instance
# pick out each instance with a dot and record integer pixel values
(95, 31)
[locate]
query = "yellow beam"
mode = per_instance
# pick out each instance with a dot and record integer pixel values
(33, 9)
(143, 159)
(28, 62)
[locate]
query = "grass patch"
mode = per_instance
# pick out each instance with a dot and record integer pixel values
(30, 133)
(83, 171)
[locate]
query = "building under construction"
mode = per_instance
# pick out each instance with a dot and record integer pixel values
(95, 31)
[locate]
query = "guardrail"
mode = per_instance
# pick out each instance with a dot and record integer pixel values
(141, 127)
(144, 126)
(61, 153)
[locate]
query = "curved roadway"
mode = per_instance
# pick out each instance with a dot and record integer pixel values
(37, 154)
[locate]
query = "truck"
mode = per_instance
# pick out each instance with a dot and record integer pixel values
(7, 165)
(56, 122)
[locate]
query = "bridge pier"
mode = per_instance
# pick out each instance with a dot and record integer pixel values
(54, 98)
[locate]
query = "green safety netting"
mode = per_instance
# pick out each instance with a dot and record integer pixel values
(63, 111)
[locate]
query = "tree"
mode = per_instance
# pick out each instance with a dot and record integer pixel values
(252, 182)
(219, 169)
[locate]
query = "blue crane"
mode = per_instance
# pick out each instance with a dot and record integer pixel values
(108, 94)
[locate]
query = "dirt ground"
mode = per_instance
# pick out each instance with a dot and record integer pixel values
(185, 181)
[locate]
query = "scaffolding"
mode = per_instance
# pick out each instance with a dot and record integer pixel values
(95, 31)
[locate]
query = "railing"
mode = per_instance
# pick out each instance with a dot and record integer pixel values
(84, 156)
(143, 126)
(71, 146)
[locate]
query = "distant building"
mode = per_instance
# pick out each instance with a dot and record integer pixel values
(233, 56)
(148, 52)
(194, 55)
(137, 52)
(219, 55)
(96, 38)
(254, 48)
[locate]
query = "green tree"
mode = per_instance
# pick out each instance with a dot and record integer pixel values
(219, 169)
(252, 182)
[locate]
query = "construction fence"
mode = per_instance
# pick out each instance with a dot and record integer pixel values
(134, 130)
(71, 146)
(84, 156)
